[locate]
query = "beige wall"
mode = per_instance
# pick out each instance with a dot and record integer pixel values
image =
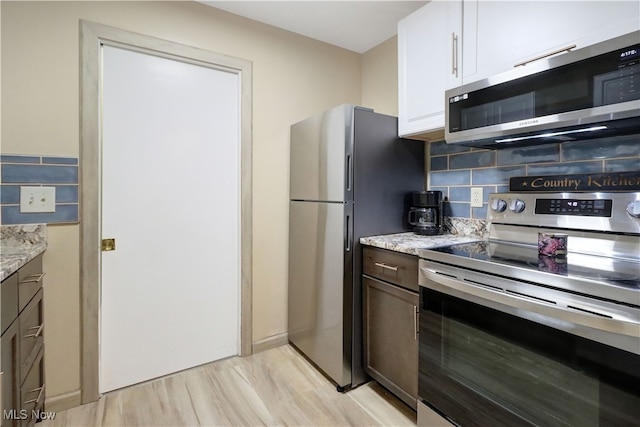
(294, 77)
(380, 77)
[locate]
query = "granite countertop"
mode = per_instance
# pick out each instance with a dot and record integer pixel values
(409, 243)
(19, 244)
(458, 230)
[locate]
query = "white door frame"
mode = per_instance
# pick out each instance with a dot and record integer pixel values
(92, 35)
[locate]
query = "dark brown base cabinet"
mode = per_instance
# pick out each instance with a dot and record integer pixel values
(391, 300)
(22, 345)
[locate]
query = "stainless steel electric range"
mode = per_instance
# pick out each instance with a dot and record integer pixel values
(510, 335)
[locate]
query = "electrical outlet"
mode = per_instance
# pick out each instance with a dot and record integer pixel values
(476, 197)
(37, 199)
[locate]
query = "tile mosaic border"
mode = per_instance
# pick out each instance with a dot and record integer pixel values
(30, 170)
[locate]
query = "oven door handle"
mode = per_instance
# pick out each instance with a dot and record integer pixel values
(486, 295)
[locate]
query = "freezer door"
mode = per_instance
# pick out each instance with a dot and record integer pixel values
(322, 156)
(319, 244)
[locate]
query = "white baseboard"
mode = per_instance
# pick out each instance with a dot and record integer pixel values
(270, 342)
(64, 401)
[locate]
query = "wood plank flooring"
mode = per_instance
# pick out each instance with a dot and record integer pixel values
(276, 387)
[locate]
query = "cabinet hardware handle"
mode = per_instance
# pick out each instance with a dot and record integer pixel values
(568, 48)
(385, 266)
(37, 333)
(415, 323)
(454, 54)
(40, 391)
(34, 278)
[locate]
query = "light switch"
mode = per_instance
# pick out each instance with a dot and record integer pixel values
(37, 199)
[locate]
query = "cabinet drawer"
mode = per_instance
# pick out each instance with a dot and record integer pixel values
(31, 332)
(395, 267)
(29, 281)
(32, 393)
(9, 297)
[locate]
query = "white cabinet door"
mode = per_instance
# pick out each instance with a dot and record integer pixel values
(429, 62)
(609, 19)
(509, 33)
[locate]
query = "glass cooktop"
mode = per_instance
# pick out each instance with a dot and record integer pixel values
(503, 258)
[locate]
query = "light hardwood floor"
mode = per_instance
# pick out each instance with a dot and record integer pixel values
(272, 388)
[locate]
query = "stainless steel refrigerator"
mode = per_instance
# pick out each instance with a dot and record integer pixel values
(350, 177)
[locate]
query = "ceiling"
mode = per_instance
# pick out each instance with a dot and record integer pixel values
(354, 25)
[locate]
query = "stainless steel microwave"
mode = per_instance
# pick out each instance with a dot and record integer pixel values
(587, 93)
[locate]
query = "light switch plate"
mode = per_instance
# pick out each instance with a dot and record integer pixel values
(37, 199)
(476, 197)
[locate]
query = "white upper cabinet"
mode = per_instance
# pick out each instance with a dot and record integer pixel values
(429, 62)
(449, 43)
(507, 33)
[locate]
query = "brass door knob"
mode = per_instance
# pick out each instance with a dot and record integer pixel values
(108, 245)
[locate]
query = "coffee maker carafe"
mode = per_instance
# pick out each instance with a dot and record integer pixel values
(425, 216)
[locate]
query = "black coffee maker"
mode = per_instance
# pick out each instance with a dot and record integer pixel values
(425, 214)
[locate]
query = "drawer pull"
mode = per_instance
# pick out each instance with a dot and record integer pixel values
(40, 391)
(34, 278)
(37, 333)
(416, 331)
(385, 266)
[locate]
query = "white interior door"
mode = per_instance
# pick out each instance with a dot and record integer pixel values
(170, 199)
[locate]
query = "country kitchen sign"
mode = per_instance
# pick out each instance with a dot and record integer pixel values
(622, 181)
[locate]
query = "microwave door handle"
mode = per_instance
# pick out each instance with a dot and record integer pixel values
(479, 294)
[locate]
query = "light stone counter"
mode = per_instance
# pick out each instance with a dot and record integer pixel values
(460, 230)
(19, 244)
(409, 243)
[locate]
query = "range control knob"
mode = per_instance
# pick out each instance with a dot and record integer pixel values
(633, 209)
(498, 205)
(516, 205)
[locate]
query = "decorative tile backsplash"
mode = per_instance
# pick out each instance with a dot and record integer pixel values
(59, 172)
(455, 169)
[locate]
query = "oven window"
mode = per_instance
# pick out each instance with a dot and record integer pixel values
(480, 366)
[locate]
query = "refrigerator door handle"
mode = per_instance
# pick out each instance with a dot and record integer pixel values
(348, 234)
(349, 170)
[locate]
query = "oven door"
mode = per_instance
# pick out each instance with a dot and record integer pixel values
(488, 357)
